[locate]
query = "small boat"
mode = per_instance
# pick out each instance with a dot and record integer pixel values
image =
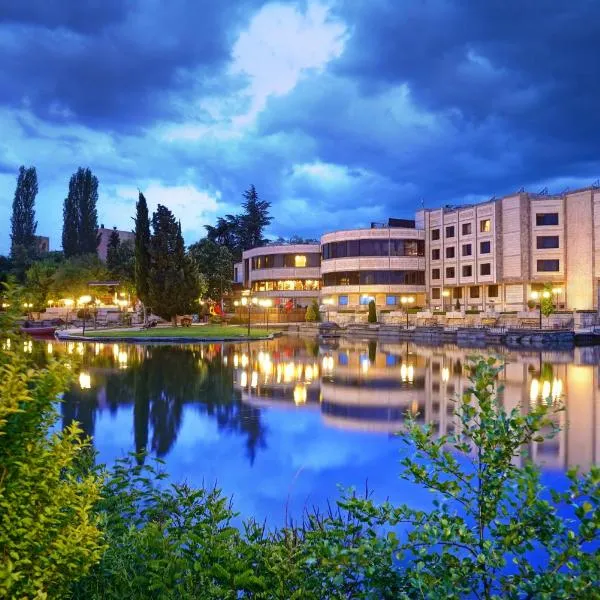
(39, 331)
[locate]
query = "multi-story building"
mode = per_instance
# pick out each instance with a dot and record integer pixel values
(104, 233)
(42, 243)
(286, 273)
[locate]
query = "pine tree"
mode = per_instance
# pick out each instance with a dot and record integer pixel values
(142, 249)
(23, 223)
(254, 220)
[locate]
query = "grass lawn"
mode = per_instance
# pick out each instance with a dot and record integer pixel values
(204, 331)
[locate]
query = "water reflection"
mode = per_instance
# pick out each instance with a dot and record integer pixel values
(349, 387)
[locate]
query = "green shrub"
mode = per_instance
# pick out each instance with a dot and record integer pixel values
(215, 320)
(312, 312)
(372, 318)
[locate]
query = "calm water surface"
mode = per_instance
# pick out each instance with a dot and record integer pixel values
(280, 424)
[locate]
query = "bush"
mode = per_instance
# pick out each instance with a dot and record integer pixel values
(372, 318)
(312, 313)
(215, 320)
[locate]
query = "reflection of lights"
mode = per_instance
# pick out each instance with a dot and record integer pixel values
(116, 351)
(327, 363)
(80, 348)
(244, 379)
(225, 361)
(445, 374)
(288, 372)
(411, 373)
(244, 361)
(279, 372)
(546, 390)
(254, 379)
(122, 359)
(6, 344)
(364, 365)
(70, 347)
(308, 373)
(97, 348)
(534, 391)
(407, 373)
(414, 407)
(403, 372)
(236, 361)
(85, 381)
(556, 389)
(49, 348)
(28, 347)
(299, 394)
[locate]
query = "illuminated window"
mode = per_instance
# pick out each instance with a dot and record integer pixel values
(485, 225)
(343, 300)
(300, 261)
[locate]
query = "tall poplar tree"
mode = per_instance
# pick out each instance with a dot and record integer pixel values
(23, 223)
(142, 249)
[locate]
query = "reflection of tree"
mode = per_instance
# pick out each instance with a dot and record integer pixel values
(80, 405)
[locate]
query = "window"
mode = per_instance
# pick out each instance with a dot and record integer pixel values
(474, 291)
(435, 254)
(364, 300)
(299, 261)
(450, 273)
(466, 250)
(343, 300)
(546, 219)
(450, 252)
(544, 242)
(435, 293)
(457, 293)
(548, 266)
(435, 234)
(492, 291)
(390, 300)
(485, 269)
(450, 231)
(485, 247)
(467, 271)
(466, 229)
(435, 273)
(485, 225)
(342, 357)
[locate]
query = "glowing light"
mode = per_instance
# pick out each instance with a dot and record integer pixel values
(446, 293)
(557, 290)
(328, 301)
(68, 302)
(236, 361)
(364, 365)
(534, 391)
(85, 381)
(411, 373)
(308, 373)
(49, 348)
(84, 299)
(5, 305)
(122, 359)
(244, 379)
(28, 347)
(225, 360)
(445, 374)
(403, 372)
(546, 390)
(116, 351)
(534, 295)
(254, 379)
(299, 394)
(97, 348)
(70, 347)
(244, 361)
(288, 372)
(80, 348)
(556, 389)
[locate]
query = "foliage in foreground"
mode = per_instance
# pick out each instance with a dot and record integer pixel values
(49, 534)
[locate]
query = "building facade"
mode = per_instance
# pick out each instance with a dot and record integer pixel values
(105, 233)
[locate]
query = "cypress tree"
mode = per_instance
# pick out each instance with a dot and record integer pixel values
(23, 223)
(142, 249)
(112, 251)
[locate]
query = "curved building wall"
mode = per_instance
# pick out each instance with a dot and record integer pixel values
(379, 263)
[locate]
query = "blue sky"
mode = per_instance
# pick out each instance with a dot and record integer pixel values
(340, 112)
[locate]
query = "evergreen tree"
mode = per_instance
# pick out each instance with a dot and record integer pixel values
(227, 233)
(112, 250)
(372, 316)
(173, 285)
(142, 249)
(80, 217)
(215, 264)
(254, 220)
(23, 223)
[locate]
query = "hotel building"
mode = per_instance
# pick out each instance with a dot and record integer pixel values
(493, 255)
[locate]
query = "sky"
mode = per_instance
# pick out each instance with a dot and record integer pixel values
(340, 113)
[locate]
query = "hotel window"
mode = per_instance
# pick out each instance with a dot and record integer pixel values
(435, 254)
(485, 269)
(299, 261)
(545, 242)
(546, 219)
(466, 229)
(548, 266)
(492, 291)
(474, 291)
(450, 273)
(457, 293)
(435, 234)
(450, 252)
(466, 250)
(390, 300)
(484, 247)
(343, 300)
(485, 225)
(450, 231)
(467, 271)
(435, 273)
(435, 293)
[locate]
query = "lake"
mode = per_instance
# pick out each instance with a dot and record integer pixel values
(280, 424)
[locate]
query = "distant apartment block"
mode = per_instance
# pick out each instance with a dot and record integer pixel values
(105, 233)
(42, 243)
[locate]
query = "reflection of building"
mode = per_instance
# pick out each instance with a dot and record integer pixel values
(105, 233)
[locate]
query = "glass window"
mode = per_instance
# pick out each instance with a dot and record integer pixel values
(435, 234)
(343, 300)
(435, 273)
(390, 300)
(466, 229)
(450, 252)
(467, 271)
(474, 291)
(450, 231)
(466, 250)
(485, 269)
(435, 293)
(548, 266)
(450, 273)
(492, 291)
(353, 248)
(485, 247)
(435, 254)
(546, 241)
(299, 260)
(545, 219)
(457, 293)
(485, 225)
(397, 248)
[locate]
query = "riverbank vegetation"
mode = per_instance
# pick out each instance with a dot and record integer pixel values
(73, 529)
(195, 331)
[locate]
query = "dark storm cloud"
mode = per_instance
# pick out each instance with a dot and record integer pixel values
(112, 65)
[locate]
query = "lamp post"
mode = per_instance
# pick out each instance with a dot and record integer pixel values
(537, 297)
(84, 301)
(266, 303)
(248, 300)
(405, 301)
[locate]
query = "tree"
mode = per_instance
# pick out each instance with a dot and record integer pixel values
(547, 302)
(80, 216)
(227, 233)
(71, 278)
(372, 317)
(173, 285)
(112, 249)
(215, 264)
(38, 283)
(142, 249)
(312, 312)
(120, 261)
(23, 223)
(49, 534)
(254, 220)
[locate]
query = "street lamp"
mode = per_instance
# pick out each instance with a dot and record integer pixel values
(405, 301)
(248, 301)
